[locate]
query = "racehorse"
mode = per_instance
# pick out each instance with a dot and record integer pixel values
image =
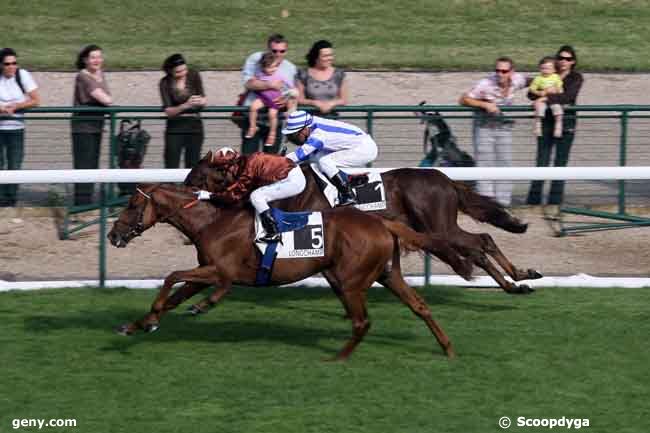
(425, 200)
(359, 249)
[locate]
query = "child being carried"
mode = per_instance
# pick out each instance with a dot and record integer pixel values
(269, 71)
(547, 83)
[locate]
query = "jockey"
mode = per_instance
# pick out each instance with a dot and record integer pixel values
(266, 177)
(332, 144)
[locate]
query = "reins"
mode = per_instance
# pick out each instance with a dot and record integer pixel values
(140, 225)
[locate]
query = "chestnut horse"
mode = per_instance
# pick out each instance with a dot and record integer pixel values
(425, 200)
(359, 249)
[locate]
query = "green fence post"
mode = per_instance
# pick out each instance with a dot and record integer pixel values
(622, 161)
(112, 159)
(102, 235)
(369, 119)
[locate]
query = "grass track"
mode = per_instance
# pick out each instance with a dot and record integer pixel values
(369, 34)
(254, 364)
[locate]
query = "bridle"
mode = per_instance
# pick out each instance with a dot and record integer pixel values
(139, 228)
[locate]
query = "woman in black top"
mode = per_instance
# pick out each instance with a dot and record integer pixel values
(572, 83)
(181, 91)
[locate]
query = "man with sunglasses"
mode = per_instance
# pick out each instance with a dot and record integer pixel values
(277, 45)
(492, 130)
(331, 144)
(18, 91)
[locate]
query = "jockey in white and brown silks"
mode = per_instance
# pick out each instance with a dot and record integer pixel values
(262, 176)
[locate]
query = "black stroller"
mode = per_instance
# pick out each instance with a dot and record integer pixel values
(439, 144)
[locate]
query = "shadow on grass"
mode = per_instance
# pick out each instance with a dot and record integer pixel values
(448, 296)
(222, 325)
(183, 328)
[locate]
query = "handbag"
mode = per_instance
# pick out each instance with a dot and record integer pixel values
(239, 117)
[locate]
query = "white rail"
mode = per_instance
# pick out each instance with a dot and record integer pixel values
(474, 173)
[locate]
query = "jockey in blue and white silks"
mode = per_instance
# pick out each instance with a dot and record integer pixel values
(331, 144)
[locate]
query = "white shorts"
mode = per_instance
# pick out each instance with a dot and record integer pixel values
(291, 185)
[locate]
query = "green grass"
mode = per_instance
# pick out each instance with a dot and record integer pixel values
(390, 34)
(255, 363)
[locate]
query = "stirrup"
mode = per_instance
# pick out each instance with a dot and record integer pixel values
(346, 200)
(270, 238)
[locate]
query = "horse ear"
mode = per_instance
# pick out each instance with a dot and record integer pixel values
(208, 156)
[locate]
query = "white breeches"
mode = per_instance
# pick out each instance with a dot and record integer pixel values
(358, 156)
(291, 185)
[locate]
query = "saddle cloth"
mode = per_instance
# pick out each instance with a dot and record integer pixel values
(371, 195)
(303, 234)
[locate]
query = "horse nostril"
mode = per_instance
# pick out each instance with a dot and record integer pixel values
(113, 238)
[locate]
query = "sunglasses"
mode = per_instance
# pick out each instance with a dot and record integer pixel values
(568, 59)
(502, 71)
(9, 63)
(278, 51)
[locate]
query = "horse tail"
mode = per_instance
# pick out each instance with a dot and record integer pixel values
(437, 246)
(487, 210)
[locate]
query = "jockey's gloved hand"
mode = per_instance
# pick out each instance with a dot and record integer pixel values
(203, 195)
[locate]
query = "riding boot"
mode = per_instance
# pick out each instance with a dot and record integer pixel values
(270, 227)
(346, 194)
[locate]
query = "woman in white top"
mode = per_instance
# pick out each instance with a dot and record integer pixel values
(18, 91)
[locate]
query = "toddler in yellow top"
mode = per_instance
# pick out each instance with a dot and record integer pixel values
(548, 82)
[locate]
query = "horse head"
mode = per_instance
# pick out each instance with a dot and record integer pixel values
(139, 215)
(214, 173)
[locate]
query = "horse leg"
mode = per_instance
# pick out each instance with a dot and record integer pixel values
(394, 281)
(185, 292)
(474, 247)
(150, 322)
(354, 303)
(491, 248)
(208, 303)
(336, 288)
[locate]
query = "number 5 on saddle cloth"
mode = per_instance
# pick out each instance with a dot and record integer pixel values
(303, 235)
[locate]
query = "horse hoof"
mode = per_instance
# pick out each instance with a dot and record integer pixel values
(124, 330)
(525, 290)
(151, 327)
(194, 310)
(534, 275)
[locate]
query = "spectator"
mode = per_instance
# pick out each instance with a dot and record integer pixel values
(181, 91)
(18, 91)
(90, 90)
(547, 83)
(492, 130)
(269, 72)
(278, 45)
(321, 84)
(572, 82)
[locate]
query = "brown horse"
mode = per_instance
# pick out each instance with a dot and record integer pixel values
(359, 249)
(425, 200)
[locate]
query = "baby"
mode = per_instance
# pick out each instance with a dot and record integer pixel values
(548, 82)
(269, 71)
